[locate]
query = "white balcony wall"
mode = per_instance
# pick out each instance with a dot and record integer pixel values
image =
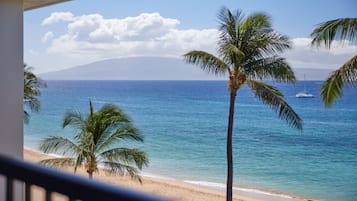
(11, 82)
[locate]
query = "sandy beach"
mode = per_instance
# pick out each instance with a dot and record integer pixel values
(170, 189)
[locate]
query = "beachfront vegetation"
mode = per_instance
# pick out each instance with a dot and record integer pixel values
(32, 85)
(248, 50)
(346, 75)
(98, 139)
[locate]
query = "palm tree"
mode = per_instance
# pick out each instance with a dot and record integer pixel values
(248, 50)
(32, 85)
(96, 142)
(346, 75)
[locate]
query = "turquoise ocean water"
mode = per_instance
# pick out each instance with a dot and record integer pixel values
(184, 124)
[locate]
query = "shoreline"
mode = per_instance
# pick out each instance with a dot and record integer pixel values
(175, 189)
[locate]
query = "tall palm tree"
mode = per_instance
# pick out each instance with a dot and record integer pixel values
(32, 85)
(248, 50)
(97, 141)
(346, 75)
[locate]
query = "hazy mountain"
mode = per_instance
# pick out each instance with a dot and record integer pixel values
(312, 74)
(138, 68)
(149, 68)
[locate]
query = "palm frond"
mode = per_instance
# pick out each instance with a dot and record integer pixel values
(252, 36)
(111, 117)
(231, 55)
(128, 132)
(207, 62)
(259, 37)
(26, 117)
(79, 160)
(247, 38)
(91, 108)
(33, 103)
(98, 131)
(260, 21)
(342, 28)
(32, 85)
(114, 114)
(258, 44)
(270, 68)
(126, 155)
(74, 119)
(59, 145)
(125, 132)
(30, 77)
(229, 24)
(273, 43)
(107, 120)
(271, 96)
(58, 162)
(119, 168)
(345, 76)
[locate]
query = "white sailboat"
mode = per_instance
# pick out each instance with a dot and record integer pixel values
(304, 94)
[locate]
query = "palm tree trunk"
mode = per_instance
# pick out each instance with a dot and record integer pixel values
(229, 146)
(90, 175)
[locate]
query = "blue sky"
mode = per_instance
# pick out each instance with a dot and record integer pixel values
(82, 31)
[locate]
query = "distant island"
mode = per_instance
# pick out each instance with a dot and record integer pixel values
(151, 68)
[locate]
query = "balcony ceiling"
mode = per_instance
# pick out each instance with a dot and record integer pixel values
(32, 4)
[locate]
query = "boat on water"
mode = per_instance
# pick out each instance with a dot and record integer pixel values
(304, 94)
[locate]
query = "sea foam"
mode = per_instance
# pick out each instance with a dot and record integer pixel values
(251, 192)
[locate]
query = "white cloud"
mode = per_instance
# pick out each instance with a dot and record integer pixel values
(343, 47)
(148, 34)
(57, 17)
(47, 37)
(303, 55)
(94, 37)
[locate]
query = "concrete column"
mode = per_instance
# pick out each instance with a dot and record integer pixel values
(11, 77)
(11, 83)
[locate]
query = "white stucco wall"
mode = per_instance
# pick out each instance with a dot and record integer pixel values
(11, 82)
(11, 77)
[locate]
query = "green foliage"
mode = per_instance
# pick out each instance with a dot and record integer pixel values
(248, 51)
(346, 75)
(271, 96)
(98, 135)
(342, 28)
(207, 62)
(32, 85)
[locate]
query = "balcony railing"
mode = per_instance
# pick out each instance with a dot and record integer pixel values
(72, 186)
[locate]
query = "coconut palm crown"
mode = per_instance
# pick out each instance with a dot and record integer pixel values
(346, 75)
(32, 85)
(248, 50)
(97, 141)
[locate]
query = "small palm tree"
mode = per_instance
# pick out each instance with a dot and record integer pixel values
(32, 85)
(248, 50)
(97, 141)
(346, 75)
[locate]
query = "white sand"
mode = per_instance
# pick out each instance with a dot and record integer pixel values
(166, 188)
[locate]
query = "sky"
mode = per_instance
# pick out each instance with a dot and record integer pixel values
(80, 31)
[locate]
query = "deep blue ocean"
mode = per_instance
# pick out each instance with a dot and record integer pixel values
(184, 124)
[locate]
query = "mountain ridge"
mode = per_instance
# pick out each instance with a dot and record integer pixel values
(131, 68)
(151, 68)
